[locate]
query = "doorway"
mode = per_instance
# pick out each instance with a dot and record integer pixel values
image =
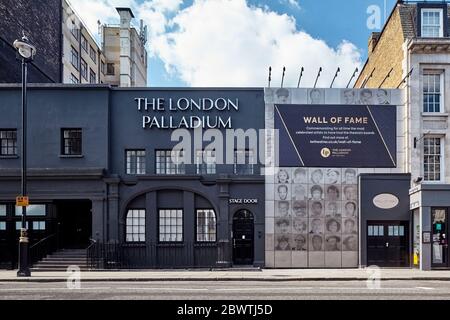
(388, 244)
(439, 241)
(74, 223)
(243, 234)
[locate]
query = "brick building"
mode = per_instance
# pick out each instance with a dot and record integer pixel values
(413, 52)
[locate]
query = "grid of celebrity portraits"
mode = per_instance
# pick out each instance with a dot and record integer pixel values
(316, 210)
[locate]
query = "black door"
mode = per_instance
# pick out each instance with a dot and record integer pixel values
(388, 243)
(439, 240)
(74, 224)
(243, 227)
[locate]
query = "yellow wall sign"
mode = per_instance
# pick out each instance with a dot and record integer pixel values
(22, 201)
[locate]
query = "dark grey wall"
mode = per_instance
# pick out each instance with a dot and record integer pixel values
(41, 22)
(371, 185)
(111, 123)
(50, 110)
(127, 120)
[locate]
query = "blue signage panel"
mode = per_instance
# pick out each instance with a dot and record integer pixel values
(347, 136)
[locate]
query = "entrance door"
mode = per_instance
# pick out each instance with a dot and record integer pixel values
(243, 227)
(388, 243)
(74, 224)
(439, 241)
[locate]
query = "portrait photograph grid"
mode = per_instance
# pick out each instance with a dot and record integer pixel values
(316, 210)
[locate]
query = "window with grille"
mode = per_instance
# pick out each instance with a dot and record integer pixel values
(92, 54)
(74, 57)
(243, 162)
(432, 159)
(83, 67)
(8, 142)
(74, 30)
(432, 23)
(92, 76)
(169, 162)
(206, 161)
(206, 225)
(135, 161)
(432, 96)
(135, 225)
(74, 79)
(170, 225)
(71, 142)
(84, 43)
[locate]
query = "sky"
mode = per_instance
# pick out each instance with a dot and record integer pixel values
(232, 43)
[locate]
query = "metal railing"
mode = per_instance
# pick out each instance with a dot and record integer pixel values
(42, 248)
(152, 255)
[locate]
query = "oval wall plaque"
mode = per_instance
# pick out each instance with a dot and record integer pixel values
(386, 201)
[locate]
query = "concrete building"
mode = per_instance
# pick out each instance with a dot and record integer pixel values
(67, 50)
(125, 52)
(413, 52)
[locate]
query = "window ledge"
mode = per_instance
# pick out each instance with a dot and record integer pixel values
(66, 156)
(9, 157)
(170, 244)
(435, 114)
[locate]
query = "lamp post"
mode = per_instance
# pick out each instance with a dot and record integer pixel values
(26, 52)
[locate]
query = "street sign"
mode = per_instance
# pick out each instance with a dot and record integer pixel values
(22, 201)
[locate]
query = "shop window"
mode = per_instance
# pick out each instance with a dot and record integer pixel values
(170, 225)
(71, 142)
(206, 225)
(8, 142)
(169, 162)
(135, 161)
(243, 162)
(39, 225)
(37, 210)
(432, 91)
(432, 23)
(432, 158)
(206, 161)
(135, 225)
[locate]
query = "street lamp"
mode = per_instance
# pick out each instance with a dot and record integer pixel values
(26, 52)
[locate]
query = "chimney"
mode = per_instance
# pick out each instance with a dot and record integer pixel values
(125, 46)
(373, 40)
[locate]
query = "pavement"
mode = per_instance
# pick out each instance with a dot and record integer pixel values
(276, 275)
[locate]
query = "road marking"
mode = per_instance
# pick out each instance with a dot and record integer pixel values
(45, 289)
(163, 289)
(262, 289)
(424, 288)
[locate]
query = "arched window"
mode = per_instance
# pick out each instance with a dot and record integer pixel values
(135, 225)
(206, 225)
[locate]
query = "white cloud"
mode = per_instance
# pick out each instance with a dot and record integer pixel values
(229, 43)
(293, 3)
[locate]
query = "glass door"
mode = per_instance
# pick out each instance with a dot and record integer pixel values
(439, 241)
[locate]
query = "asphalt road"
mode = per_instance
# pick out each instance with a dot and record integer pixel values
(228, 290)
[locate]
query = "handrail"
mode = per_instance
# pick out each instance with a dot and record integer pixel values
(42, 240)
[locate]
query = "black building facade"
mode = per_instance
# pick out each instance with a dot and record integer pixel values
(41, 22)
(101, 175)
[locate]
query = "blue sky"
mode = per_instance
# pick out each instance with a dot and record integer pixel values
(232, 42)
